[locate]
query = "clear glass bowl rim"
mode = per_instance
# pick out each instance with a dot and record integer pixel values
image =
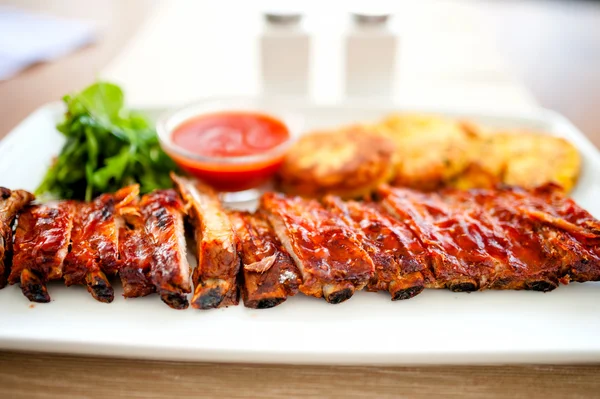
(278, 108)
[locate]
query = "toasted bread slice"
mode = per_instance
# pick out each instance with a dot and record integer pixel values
(431, 150)
(351, 163)
(536, 159)
(521, 158)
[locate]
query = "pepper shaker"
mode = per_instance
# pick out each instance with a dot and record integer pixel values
(371, 50)
(285, 49)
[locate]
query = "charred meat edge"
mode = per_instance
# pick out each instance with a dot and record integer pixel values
(215, 277)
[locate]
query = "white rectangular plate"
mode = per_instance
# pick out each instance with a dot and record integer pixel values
(436, 327)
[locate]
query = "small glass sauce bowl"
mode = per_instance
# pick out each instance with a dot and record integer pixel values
(237, 178)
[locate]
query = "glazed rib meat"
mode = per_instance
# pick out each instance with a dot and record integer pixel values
(502, 238)
(401, 265)
(136, 256)
(215, 277)
(269, 274)
(530, 260)
(40, 247)
(162, 212)
(554, 209)
(327, 252)
(94, 251)
(506, 238)
(11, 202)
(458, 257)
(568, 236)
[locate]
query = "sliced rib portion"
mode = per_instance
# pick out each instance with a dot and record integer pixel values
(81, 264)
(458, 254)
(11, 202)
(580, 226)
(162, 212)
(269, 273)
(526, 259)
(40, 247)
(218, 261)
(506, 238)
(400, 260)
(567, 236)
(95, 243)
(327, 252)
(136, 251)
(136, 248)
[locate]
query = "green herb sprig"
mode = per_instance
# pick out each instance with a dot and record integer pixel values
(107, 147)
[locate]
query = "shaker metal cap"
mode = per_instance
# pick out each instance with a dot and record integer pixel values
(367, 18)
(283, 17)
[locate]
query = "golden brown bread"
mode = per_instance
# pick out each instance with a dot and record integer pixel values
(431, 150)
(436, 152)
(350, 162)
(425, 152)
(535, 159)
(521, 158)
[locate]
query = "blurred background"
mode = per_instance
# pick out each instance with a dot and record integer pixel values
(503, 56)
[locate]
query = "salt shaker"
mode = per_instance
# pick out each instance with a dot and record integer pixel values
(371, 50)
(285, 49)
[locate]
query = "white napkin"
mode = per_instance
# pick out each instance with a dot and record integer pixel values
(27, 38)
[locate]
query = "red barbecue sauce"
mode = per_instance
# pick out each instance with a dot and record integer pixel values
(231, 135)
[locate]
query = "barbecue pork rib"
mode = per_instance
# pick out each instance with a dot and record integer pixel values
(162, 212)
(94, 251)
(327, 252)
(530, 260)
(135, 252)
(568, 235)
(215, 277)
(40, 247)
(268, 272)
(564, 214)
(401, 263)
(11, 202)
(457, 258)
(506, 238)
